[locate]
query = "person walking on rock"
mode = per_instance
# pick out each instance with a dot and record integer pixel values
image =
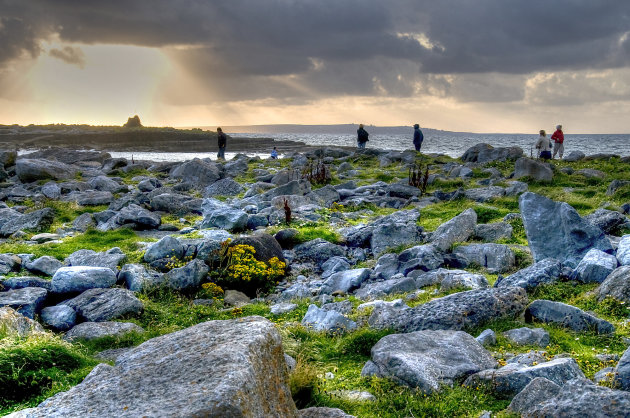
(362, 137)
(418, 137)
(558, 142)
(544, 146)
(222, 140)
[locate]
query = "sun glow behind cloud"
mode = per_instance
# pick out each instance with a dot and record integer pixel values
(114, 83)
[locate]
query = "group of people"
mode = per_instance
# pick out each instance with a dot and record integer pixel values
(544, 144)
(362, 137)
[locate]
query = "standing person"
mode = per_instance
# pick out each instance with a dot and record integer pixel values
(362, 136)
(558, 139)
(222, 139)
(417, 137)
(544, 145)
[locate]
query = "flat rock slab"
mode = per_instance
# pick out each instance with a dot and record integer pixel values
(566, 315)
(80, 278)
(458, 311)
(428, 359)
(94, 330)
(232, 368)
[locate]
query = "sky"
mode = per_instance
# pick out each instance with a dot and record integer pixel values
(458, 65)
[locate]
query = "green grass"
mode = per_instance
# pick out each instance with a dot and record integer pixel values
(95, 240)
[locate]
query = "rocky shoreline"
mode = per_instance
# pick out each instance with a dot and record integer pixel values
(477, 278)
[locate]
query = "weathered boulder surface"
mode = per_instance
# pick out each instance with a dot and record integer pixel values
(543, 272)
(458, 229)
(232, 368)
(497, 258)
(77, 279)
(454, 312)
(28, 301)
(483, 153)
(13, 322)
(616, 285)
(623, 371)
(576, 398)
(60, 317)
(595, 266)
(319, 319)
(93, 330)
(428, 359)
(98, 305)
(623, 251)
(509, 380)
(556, 230)
(32, 169)
(528, 336)
(526, 167)
(566, 316)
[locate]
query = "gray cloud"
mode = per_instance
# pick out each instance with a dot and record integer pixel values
(288, 49)
(69, 55)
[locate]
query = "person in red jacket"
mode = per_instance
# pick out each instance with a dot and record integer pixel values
(558, 142)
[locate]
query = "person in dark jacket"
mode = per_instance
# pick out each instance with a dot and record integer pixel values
(417, 137)
(362, 136)
(222, 139)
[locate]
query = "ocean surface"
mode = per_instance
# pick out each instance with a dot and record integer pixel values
(455, 144)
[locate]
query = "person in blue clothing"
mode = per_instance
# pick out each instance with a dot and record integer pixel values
(362, 137)
(274, 153)
(417, 137)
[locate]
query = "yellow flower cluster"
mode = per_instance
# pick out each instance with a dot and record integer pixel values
(212, 290)
(242, 265)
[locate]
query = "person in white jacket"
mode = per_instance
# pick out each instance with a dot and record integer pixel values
(544, 146)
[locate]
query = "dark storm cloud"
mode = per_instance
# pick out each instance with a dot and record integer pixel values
(333, 47)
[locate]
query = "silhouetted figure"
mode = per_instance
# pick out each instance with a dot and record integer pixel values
(222, 140)
(418, 137)
(362, 137)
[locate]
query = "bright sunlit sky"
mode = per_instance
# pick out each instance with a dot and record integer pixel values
(459, 65)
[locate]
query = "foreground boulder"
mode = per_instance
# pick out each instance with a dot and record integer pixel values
(576, 398)
(616, 285)
(428, 359)
(526, 167)
(595, 266)
(29, 170)
(28, 301)
(458, 311)
(217, 368)
(98, 305)
(458, 229)
(556, 230)
(14, 323)
(543, 272)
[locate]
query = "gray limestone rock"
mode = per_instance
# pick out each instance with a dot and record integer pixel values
(623, 251)
(526, 167)
(428, 359)
(98, 305)
(60, 317)
(566, 316)
(556, 230)
(30, 169)
(167, 247)
(493, 232)
(537, 391)
(528, 336)
(458, 229)
(487, 337)
(616, 285)
(345, 281)
(14, 323)
(595, 266)
(27, 301)
(497, 258)
(422, 257)
(138, 278)
(319, 319)
(458, 311)
(623, 371)
(543, 272)
(189, 276)
(94, 330)
(80, 278)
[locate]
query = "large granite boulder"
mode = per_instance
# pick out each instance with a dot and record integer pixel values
(536, 170)
(60, 317)
(458, 229)
(37, 221)
(31, 169)
(458, 311)
(556, 230)
(428, 359)
(567, 316)
(138, 278)
(512, 378)
(186, 277)
(608, 221)
(98, 305)
(27, 301)
(543, 272)
(230, 368)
